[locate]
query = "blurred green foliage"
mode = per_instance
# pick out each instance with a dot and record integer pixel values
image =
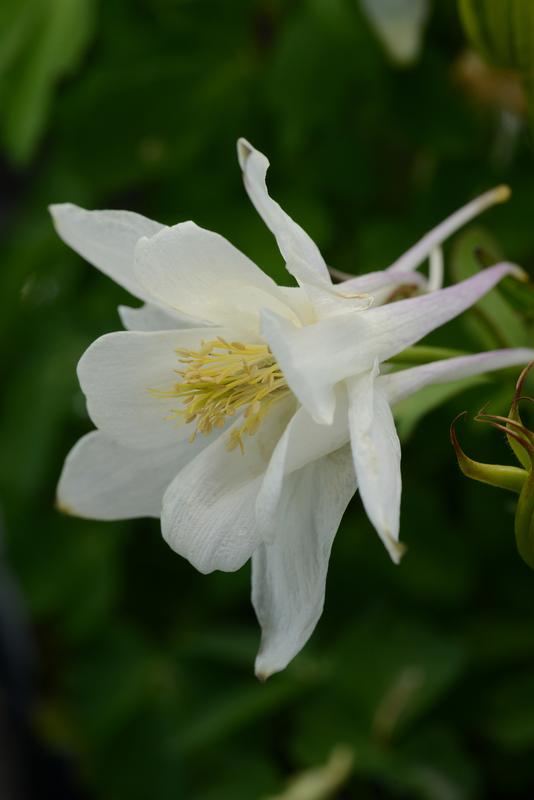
(425, 671)
(503, 30)
(503, 33)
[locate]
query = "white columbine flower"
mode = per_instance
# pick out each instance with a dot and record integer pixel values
(243, 413)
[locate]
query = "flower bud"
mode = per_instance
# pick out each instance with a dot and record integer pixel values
(516, 479)
(501, 476)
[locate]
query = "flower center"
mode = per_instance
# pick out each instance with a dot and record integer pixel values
(221, 379)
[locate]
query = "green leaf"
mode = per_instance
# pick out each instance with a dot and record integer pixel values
(406, 669)
(520, 296)
(492, 321)
(107, 685)
(37, 49)
(16, 27)
(236, 710)
(509, 716)
(502, 30)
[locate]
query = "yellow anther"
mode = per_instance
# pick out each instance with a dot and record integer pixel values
(222, 379)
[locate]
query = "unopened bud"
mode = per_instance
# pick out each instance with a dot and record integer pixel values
(501, 476)
(516, 479)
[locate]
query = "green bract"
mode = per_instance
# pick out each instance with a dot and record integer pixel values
(515, 479)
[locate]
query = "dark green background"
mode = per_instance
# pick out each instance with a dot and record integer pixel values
(146, 667)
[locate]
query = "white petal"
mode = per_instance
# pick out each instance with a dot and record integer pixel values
(376, 452)
(372, 282)
(314, 358)
(104, 480)
(382, 283)
(417, 254)
(436, 268)
(303, 258)
(298, 300)
(154, 318)
(106, 239)
(380, 286)
(331, 301)
(302, 442)
(208, 510)
(398, 325)
(303, 356)
(399, 24)
(118, 374)
(400, 385)
(289, 574)
(199, 273)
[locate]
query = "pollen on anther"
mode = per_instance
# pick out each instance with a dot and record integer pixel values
(223, 379)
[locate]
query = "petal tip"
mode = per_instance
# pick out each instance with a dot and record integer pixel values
(58, 211)
(502, 193)
(519, 273)
(395, 549)
(323, 416)
(263, 670)
(203, 562)
(244, 151)
(64, 508)
(54, 208)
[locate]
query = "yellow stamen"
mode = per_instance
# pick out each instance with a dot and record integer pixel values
(221, 379)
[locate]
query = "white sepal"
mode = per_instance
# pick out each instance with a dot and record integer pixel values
(106, 239)
(289, 573)
(376, 452)
(101, 479)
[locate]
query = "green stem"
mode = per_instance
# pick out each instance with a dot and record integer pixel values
(423, 354)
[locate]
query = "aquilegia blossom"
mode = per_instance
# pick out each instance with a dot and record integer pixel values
(243, 413)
